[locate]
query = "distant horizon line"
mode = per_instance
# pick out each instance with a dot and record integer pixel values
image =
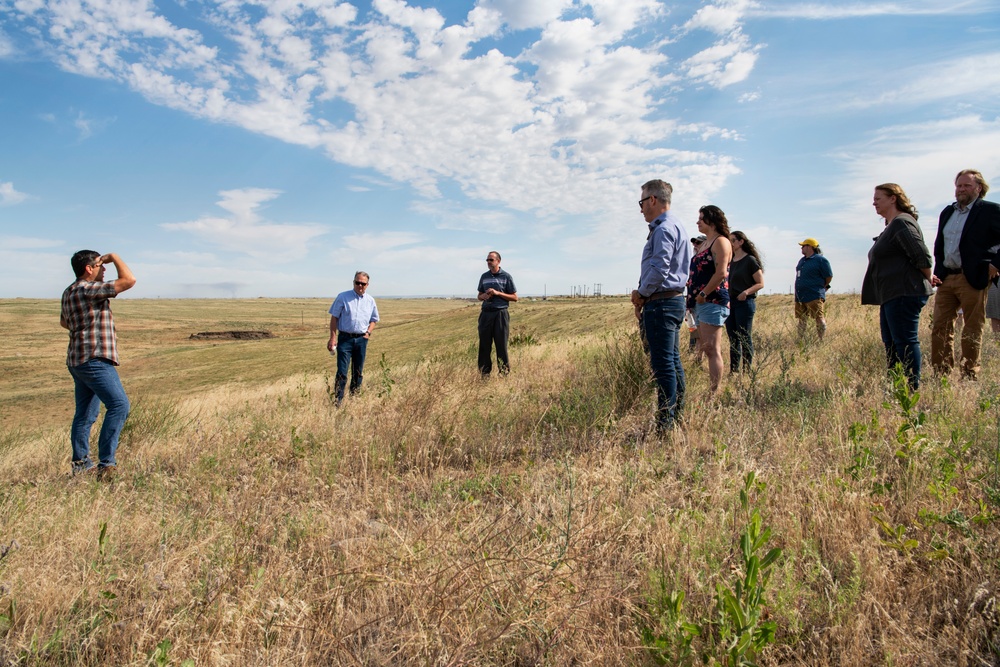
(125, 296)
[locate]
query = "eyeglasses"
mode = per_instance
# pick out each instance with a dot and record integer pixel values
(360, 284)
(643, 200)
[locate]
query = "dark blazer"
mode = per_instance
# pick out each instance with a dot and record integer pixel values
(981, 232)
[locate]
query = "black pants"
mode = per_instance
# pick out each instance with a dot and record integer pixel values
(739, 327)
(494, 329)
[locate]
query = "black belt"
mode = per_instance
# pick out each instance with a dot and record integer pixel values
(666, 294)
(351, 335)
(948, 271)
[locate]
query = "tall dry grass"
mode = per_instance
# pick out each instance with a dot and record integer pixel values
(438, 519)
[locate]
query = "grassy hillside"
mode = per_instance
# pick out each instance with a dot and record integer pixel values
(812, 514)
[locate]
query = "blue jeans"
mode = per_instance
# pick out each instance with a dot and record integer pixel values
(96, 381)
(899, 319)
(661, 322)
(739, 328)
(350, 351)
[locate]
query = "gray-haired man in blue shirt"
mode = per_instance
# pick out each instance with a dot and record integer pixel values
(352, 319)
(659, 299)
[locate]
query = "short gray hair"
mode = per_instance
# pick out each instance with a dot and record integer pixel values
(659, 189)
(361, 273)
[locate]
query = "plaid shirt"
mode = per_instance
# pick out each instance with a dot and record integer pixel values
(86, 310)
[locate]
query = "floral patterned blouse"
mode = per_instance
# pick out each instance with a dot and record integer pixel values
(702, 270)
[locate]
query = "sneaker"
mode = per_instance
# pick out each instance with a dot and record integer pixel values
(82, 467)
(106, 473)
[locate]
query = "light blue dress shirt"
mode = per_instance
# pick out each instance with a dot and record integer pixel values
(666, 259)
(354, 313)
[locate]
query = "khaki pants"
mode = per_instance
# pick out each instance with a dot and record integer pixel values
(954, 293)
(811, 309)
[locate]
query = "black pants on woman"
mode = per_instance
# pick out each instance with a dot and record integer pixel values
(739, 328)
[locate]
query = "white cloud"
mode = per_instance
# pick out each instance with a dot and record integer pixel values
(247, 232)
(724, 63)
(9, 196)
(534, 14)
(579, 109)
(722, 18)
(27, 243)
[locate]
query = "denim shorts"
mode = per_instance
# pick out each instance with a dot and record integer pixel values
(711, 313)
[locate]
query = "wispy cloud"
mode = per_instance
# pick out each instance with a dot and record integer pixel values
(87, 127)
(9, 196)
(27, 243)
(828, 11)
(900, 154)
(972, 78)
(6, 46)
(245, 231)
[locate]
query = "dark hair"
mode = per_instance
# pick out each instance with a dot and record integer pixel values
(81, 260)
(715, 218)
(494, 252)
(748, 247)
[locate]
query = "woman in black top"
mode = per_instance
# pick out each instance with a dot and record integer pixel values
(898, 279)
(746, 278)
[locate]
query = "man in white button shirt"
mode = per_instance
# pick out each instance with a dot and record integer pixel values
(965, 261)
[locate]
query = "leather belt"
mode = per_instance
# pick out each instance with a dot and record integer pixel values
(666, 294)
(350, 335)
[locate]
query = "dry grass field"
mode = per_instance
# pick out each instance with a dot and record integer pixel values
(814, 513)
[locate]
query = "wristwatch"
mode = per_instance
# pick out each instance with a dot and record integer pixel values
(702, 294)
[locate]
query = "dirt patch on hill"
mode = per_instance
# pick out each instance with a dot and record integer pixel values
(232, 335)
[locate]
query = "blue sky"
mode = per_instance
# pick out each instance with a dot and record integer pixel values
(244, 149)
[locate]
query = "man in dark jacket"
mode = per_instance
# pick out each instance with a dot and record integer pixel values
(965, 260)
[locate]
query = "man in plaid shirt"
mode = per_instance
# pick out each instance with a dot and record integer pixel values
(92, 357)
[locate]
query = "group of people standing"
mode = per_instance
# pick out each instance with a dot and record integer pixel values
(722, 273)
(716, 278)
(900, 279)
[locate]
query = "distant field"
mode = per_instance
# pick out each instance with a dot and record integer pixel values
(159, 360)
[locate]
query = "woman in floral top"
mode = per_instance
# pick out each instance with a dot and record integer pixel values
(708, 288)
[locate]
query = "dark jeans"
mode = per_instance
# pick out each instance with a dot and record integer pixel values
(900, 321)
(494, 329)
(739, 328)
(350, 351)
(96, 381)
(661, 322)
